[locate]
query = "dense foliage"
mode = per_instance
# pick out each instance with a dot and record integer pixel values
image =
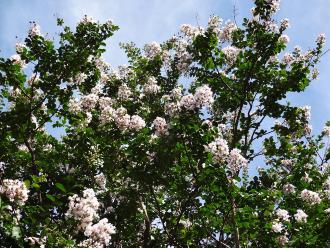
(156, 153)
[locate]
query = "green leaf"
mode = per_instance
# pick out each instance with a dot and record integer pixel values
(61, 187)
(50, 197)
(35, 185)
(27, 183)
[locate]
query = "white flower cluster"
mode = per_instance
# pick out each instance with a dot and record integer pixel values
(80, 78)
(220, 153)
(121, 118)
(310, 197)
(15, 190)
(219, 150)
(271, 26)
(226, 32)
(326, 131)
(284, 39)
(287, 59)
(167, 60)
(236, 161)
(301, 216)
(207, 123)
(298, 57)
(277, 227)
(325, 167)
(191, 31)
(203, 97)
(327, 188)
(94, 157)
(35, 240)
(99, 234)
(171, 108)
(320, 39)
(34, 30)
(83, 209)
(105, 102)
(287, 163)
(16, 60)
(274, 5)
(306, 111)
(89, 101)
(285, 23)
(282, 214)
(152, 50)
(106, 115)
(160, 126)
(87, 120)
(327, 211)
(33, 79)
(124, 92)
(183, 56)
(109, 23)
(282, 240)
(124, 121)
(176, 93)
(151, 86)
(136, 123)
(307, 129)
(231, 54)
(123, 72)
(188, 102)
(214, 22)
(74, 105)
(23, 148)
(306, 178)
(100, 63)
(100, 180)
(2, 166)
(20, 47)
(86, 19)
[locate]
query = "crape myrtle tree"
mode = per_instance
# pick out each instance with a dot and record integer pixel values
(147, 161)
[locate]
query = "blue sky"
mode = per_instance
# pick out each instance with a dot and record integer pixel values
(143, 21)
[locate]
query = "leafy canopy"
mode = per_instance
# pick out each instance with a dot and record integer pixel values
(146, 161)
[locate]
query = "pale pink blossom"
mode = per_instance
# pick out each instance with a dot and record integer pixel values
(203, 96)
(289, 189)
(83, 209)
(301, 216)
(160, 126)
(219, 150)
(282, 240)
(188, 102)
(310, 197)
(15, 190)
(277, 227)
(282, 214)
(151, 87)
(136, 123)
(124, 92)
(236, 161)
(152, 50)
